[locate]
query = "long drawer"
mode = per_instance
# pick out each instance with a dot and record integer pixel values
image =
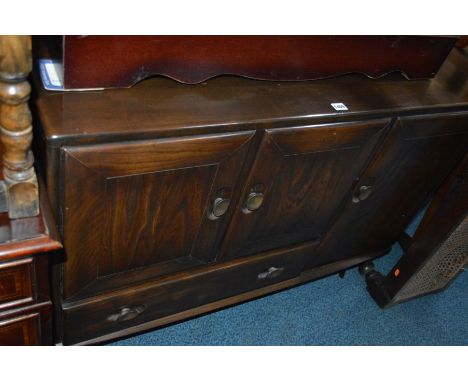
(117, 311)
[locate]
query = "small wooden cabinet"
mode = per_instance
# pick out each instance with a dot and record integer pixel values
(176, 200)
(25, 301)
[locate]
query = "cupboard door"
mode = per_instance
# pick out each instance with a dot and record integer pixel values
(416, 156)
(134, 211)
(298, 179)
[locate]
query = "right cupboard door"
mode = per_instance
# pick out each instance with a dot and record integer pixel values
(297, 181)
(416, 156)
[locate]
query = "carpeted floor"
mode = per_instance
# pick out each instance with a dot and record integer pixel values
(330, 311)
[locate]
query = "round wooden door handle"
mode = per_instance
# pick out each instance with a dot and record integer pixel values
(219, 208)
(363, 194)
(253, 202)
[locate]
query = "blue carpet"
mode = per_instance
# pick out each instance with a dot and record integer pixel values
(330, 311)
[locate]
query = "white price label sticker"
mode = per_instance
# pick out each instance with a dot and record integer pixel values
(339, 106)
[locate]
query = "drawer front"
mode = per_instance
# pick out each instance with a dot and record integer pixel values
(23, 330)
(15, 283)
(91, 318)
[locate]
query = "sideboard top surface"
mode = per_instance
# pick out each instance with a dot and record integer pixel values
(161, 107)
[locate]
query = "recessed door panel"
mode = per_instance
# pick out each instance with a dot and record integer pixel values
(154, 217)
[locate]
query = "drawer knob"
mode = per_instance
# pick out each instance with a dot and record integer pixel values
(363, 194)
(219, 208)
(127, 313)
(271, 273)
(254, 202)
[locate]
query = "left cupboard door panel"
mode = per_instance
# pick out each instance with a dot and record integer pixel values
(137, 210)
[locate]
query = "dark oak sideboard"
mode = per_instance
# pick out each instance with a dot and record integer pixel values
(175, 200)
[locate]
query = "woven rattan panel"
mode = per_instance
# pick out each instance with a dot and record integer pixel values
(441, 267)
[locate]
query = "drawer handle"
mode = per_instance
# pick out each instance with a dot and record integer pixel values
(126, 314)
(363, 194)
(271, 273)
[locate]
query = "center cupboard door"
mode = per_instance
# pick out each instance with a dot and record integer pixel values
(136, 210)
(299, 178)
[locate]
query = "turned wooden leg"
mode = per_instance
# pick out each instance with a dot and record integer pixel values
(19, 190)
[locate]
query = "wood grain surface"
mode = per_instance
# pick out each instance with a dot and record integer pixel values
(121, 61)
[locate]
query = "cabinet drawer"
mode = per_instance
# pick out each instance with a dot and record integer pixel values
(23, 330)
(15, 283)
(94, 317)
